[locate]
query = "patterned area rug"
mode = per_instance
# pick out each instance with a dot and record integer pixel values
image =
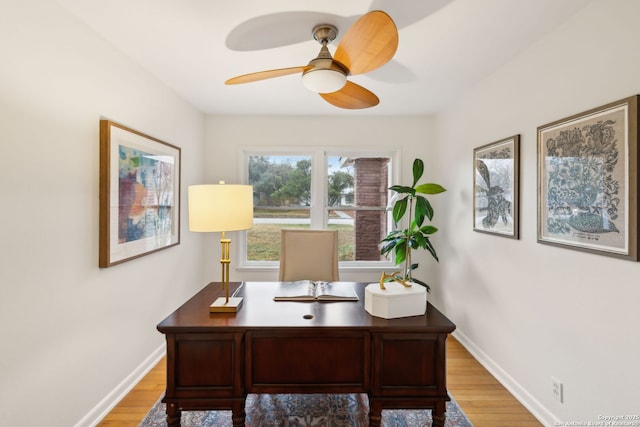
(307, 410)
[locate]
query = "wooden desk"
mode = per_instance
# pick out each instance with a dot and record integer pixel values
(214, 360)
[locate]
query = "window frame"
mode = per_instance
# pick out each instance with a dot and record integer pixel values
(319, 211)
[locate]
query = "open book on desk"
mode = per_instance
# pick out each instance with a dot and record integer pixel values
(308, 290)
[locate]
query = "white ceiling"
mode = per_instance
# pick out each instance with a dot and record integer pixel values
(193, 46)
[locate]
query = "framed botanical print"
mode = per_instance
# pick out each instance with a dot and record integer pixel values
(496, 188)
(588, 181)
(139, 194)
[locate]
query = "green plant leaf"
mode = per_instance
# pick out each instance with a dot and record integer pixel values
(425, 206)
(420, 282)
(428, 229)
(412, 242)
(418, 170)
(386, 247)
(400, 252)
(430, 188)
(403, 189)
(432, 250)
(399, 208)
(389, 246)
(422, 209)
(399, 238)
(421, 240)
(391, 236)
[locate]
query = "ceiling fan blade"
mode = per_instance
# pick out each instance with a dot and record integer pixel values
(262, 75)
(352, 97)
(370, 43)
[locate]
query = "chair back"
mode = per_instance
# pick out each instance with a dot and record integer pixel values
(309, 254)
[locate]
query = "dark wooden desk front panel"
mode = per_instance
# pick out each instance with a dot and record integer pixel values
(307, 362)
(215, 360)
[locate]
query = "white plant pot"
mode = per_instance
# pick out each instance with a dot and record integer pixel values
(395, 301)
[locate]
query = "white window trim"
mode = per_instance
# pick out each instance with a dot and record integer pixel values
(319, 218)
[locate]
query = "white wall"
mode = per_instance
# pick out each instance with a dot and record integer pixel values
(227, 135)
(74, 334)
(531, 311)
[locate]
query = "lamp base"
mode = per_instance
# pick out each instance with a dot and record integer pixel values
(221, 306)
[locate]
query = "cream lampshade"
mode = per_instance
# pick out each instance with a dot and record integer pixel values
(220, 208)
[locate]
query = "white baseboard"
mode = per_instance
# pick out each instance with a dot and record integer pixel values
(528, 401)
(93, 417)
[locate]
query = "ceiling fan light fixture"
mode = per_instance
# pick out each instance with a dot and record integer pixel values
(324, 80)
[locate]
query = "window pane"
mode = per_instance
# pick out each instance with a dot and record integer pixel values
(357, 193)
(282, 198)
(343, 222)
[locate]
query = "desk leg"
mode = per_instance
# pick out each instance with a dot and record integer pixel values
(375, 413)
(439, 414)
(238, 413)
(173, 415)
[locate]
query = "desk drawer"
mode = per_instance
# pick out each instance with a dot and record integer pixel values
(409, 363)
(200, 365)
(316, 361)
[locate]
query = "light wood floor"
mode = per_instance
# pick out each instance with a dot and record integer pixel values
(482, 398)
(485, 402)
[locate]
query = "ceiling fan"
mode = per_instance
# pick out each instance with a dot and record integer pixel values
(370, 43)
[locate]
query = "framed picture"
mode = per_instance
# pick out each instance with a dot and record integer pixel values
(496, 187)
(588, 181)
(139, 194)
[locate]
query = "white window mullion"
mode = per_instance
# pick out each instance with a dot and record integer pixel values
(318, 190)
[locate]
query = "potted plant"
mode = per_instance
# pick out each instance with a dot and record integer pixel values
(400, 243)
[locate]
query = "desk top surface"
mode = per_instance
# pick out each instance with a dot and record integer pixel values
(258, 310)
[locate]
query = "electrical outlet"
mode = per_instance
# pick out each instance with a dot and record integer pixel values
(556, 388)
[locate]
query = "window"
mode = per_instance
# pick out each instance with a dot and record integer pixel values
(346, 191)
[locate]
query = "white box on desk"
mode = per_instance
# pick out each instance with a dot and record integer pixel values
(396, 301)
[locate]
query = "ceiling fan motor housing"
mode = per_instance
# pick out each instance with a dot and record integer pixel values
(325, 75)
(324, 32)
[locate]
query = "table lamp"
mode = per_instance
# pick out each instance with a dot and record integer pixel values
(220, 208)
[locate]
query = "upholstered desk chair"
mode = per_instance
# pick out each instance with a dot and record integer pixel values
(309, 255)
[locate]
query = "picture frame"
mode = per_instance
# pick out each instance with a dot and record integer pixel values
(588, 181)
(139, 194)
(496, 183)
